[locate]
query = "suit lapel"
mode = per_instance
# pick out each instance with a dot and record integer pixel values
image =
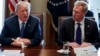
(16, 26)
(72, 30)
(87, 29)
(28, 27)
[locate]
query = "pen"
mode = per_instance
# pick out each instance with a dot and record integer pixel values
(23, 45)
(17, 38)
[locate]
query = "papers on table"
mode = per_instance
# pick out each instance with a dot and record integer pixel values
(86, 51)
(0, 44)
(63, 51)
(12, 53)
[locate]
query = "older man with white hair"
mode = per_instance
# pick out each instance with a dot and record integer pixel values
(21, 28)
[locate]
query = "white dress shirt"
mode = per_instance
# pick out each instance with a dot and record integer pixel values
(20, 23)
(82, 29)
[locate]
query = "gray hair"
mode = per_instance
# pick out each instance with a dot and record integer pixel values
(83, 4)
(21, 3)
(84, 0)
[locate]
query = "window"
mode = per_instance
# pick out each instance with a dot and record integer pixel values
(2, 8)
(94, 6)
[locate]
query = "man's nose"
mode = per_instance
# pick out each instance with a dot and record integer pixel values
(25, 12)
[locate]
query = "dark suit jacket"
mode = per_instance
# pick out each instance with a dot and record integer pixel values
(66, 32)
(11, 29)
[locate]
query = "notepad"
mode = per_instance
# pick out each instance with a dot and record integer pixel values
(86, 51)
(12, 53)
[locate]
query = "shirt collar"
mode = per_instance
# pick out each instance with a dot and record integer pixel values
(20, 22)
(81, 22)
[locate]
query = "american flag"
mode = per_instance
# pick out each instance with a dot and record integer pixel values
(12, 4)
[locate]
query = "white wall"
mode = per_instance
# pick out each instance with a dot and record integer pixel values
(39, 5)
(94, 6)
(2, 5)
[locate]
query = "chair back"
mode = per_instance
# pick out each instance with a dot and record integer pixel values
(40, 15)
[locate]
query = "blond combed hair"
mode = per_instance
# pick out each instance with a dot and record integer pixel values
(83, 4)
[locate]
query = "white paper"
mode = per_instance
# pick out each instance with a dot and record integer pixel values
(86, 51)
(12, 53)
(63, 51)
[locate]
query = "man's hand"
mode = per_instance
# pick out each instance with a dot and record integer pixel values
(76, 45)
(16, 43)
(73, 44)
(25, 41)
(85, 44)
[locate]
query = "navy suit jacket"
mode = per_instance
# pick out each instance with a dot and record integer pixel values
(11, 29)
(66, 32)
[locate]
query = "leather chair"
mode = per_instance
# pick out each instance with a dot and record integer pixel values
(40, 15)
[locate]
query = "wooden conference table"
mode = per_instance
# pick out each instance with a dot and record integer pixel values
(37, 51)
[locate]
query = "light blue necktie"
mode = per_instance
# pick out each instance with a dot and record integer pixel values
(22, 29)
(78, 34)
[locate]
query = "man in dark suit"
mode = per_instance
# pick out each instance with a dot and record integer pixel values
(14, 34)
(88, 28)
